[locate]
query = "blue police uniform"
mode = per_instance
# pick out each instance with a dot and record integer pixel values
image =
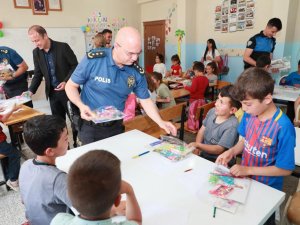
(105, 84)
(261, 45)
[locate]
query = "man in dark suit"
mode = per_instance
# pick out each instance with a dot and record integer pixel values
(55, 62)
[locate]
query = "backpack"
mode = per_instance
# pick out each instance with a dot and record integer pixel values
(130, 106)
(192, 122)
(223, 65)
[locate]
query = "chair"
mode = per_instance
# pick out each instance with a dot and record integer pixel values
(221, 84)
(200, 114)
(145, 124)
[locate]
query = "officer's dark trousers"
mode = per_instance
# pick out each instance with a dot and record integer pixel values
(58, 105)
(90, 132)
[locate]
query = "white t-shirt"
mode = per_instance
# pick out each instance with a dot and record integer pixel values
(160, 68)
(209, 53)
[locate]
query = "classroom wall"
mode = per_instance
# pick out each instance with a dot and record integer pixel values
(61, 26)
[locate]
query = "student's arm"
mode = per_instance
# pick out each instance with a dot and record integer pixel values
(152, 112)
(247, 57)
(226, 156)
(73, 94)
(238, 170)
(199, 140)
(133, 211)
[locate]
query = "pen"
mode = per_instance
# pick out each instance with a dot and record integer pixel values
(188, 170)
(215, 209)
(144, 153)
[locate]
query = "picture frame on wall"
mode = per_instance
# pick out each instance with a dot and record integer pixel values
(54, 5)
(39, 7)
(23, 4)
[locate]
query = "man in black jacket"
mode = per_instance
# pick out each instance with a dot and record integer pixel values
(55, 62)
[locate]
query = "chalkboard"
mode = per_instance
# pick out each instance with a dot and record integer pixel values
(18, 39)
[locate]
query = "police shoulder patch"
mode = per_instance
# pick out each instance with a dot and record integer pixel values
(5, 51)
(139, 68)
(249, 43)
(95, 54)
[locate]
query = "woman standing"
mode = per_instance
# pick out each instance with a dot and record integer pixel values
(211, 53)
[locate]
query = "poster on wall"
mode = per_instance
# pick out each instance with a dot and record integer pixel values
(234, 15)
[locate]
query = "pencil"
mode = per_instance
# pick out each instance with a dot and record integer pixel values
(215, 209)
(140, 154)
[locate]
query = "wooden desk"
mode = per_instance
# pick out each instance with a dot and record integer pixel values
(169, 195)
(16, 121)
(181, 92)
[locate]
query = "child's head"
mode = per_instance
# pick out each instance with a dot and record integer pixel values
(151, 84)
(99, 41)
(156, 77)
(274, 25)
(254, 89)
(211, 68)
(94, 182)
(198, 68)
(159, 58)
(46, 133)
(226, 105)
(175, 60)
(263, 61)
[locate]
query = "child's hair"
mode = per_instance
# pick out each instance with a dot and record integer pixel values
(42, 132)
(199, 66)
(263, 60)
(94, 182)
(157, 76)
(99, 41)
(255, 83)
(275, 22)
(161, 57)
(299, 63)
(151, 85)
(106, 31)
(227, 91)
(176, 59)
(214, 66)
(211, 41)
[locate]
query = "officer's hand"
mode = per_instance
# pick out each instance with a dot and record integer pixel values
(60, 87)
(169, 127)
(86, 113)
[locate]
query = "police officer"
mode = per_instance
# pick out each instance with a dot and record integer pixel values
(108, 76)
(13, 71)
(262, 43)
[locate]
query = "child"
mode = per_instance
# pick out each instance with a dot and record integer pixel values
(44, 187)
(189, 74)
(99, 41)
(159, 66)
(8, 150)
(211, 73)
(293, 79)
(264, 62)
(268, 136)
(163, 94)
(199, 83)
(94, 186)
(219, 130)
(175, 68)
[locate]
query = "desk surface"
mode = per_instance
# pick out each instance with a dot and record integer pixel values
(22, 115)
(297, 148)
(169, 195)
(178, 93)
(286, 93)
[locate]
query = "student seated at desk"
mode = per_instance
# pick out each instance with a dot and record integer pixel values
(175, 68)
(211, 72)
(293, 79)
(189, 74)
(159, 66)
(219, 130)
(43, 187)
(268, 135)
(264, 62)
(8, 150)
(163, 94)
(94, 186)
(199, 83)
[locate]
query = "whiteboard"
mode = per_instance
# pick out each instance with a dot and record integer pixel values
(17, 38)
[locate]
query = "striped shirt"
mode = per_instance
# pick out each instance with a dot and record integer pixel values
(268, 143)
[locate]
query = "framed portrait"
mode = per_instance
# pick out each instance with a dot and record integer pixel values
(54, 5)
(23, 4)
(39, 7)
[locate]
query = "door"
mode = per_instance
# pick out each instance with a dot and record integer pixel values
(154, 42)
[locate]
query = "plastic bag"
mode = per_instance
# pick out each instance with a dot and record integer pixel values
(106, 114)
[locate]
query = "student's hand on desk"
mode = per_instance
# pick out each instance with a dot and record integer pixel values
(240, 171)
(60, 87)
(27, 94)
(224, 158)
(196, 147)
(168, 127)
